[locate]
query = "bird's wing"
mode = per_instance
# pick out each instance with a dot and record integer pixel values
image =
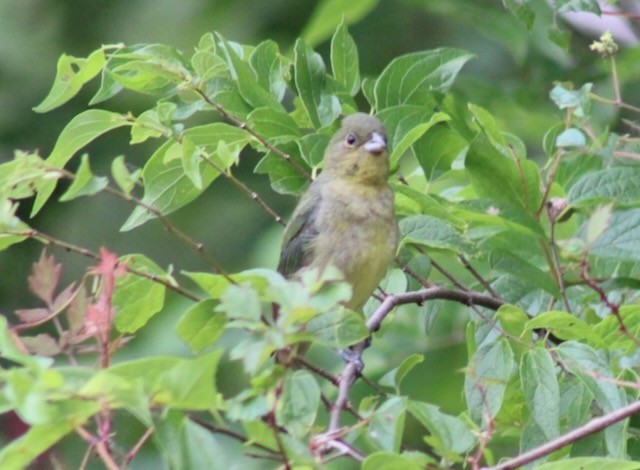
(299, 234)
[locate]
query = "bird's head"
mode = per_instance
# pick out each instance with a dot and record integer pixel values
(358, 150)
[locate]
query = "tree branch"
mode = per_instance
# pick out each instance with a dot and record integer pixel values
(595, 425)
(354, 365)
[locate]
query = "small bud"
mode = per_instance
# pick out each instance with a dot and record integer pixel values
(606, 47)
(555, 206)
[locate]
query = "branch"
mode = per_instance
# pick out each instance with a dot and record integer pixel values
(33, 233)
(243, 125)
(354, 365)
(595, 425)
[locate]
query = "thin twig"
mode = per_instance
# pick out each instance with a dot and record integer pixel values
(168, 226)
(136, 448)
(407, 270)
(254, 196)
(352, 369)
(234, 435)
(100, 447)
(316, 370)
(555, 258)
(613, 307)
(593, 426)
(243, 125)
(477, 275)
(33, 233)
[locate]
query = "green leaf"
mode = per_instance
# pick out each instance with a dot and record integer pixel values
(241, 304)
(620, 185)
(136, 298)
(154, 69)
(24, 450)
(579, 101)
(504, 179)
(621, 240)
(608, 330)
(598, 223)
(571, 138)
(200, 326)
(394, 377)
(434, 233)
(206, 64)
(126, 181)
(386, 425)
(590, 6)
(506, 261)
(310, 79)
(541, 390)
(449, 434)
(339, 328)
(486, 379)
(9, 350)
(411, 78)
(284, 178)
(564, 325)
(437, 150)
(167, 186)
(271, 68)
(81, 130)
(585, 362)
(215, 285)
(313, 147)
(71, 74)
(174, 382)
(413, 135)
(299, 401)
(274, 125)
(344, 60)
(328, 14)
(392, 461)
(590, 463)
(185, 444)
(10, 223)
(85, 183)
(245, 78)
(522, 11)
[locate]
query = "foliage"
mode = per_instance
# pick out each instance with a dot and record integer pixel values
(541, 256)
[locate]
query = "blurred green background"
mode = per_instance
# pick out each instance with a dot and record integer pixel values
(511, 76)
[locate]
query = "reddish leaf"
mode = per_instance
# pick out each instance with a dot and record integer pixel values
(44, 277)
(77, 310)
(32, 315)
(41, 345)
(64, 297)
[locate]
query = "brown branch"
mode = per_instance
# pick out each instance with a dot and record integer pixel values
(477, 275)
(613, 307)
(234, 435)
(593, 426)
(168, 226)
(100, 447)
(353, 367)
(254, 196)
(33, 233)
(136, 448)
(243, 125)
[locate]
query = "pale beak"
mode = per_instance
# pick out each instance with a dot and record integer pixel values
(375, 144)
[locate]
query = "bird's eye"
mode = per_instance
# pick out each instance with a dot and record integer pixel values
(351, 140)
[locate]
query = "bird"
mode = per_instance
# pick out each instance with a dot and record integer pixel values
(346, 217)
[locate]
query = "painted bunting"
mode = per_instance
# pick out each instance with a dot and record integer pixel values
(346, 217)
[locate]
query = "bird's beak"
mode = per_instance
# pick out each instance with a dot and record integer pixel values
(376, 144)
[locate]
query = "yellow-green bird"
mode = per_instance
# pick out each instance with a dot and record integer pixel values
(346, 217)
